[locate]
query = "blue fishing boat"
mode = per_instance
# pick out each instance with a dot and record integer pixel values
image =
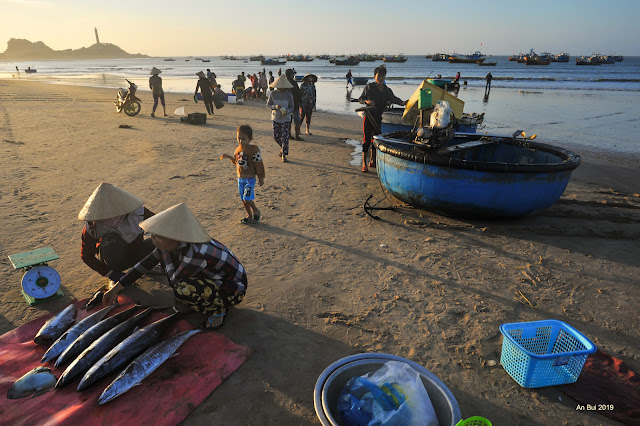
(474, 175)
(360, 81)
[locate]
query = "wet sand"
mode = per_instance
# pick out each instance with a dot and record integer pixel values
(325, 280)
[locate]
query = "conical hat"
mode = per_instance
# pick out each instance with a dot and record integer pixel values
(201, 74)
(108, 201)
(313, 77)
(177, 223)
(281, 83)
(155, 71)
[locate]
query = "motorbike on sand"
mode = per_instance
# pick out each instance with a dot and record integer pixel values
(128, 101)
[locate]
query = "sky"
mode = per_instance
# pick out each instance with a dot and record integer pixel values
(248, 27)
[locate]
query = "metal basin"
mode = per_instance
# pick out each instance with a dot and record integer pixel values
(333, 379)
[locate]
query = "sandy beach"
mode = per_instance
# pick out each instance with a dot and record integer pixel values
(326, 280)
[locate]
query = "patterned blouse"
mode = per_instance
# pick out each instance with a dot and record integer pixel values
(308, 95)
(191, 260)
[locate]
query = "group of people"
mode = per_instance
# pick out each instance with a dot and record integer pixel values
(206, 277)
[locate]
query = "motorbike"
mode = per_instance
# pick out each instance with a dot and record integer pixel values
(128, 101)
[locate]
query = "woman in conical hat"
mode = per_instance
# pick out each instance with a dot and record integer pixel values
(155, 84)
(308, 104)
(280, 102)
(112, 241)
(204, 274)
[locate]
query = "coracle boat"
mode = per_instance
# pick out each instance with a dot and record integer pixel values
(360, 81)
(474, 175)
(439, 82)
(30, 70)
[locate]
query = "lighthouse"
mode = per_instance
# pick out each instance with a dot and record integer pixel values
(97, 38)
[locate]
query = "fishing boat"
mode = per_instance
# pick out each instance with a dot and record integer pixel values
(474, 175)
(256, 58)
(536, 60)
(440, 57)
(487, 64)
(618, 58)
(439, 82)
(169, 59)
(272, 61)
(299, 58)
(588, 60)
(395, 58)
(206, 60)
(360, 81)
(349, 61)
(561, 57)
(606, 59)
(325, 57)
(467, 59)
(30, 70)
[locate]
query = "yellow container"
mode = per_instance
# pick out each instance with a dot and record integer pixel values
(411, 110)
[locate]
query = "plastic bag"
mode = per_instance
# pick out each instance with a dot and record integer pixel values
(441, 115)
(392, 395)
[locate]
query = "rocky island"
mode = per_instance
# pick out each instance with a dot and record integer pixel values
(21, 49)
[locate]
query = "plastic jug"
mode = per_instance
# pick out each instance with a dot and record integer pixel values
(424, 99)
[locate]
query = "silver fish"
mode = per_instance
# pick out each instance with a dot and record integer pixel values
(145, 364)
(99, 348)
(56, 325)
(90, 335)
(129, 348)
(36, 380)
(72, 334)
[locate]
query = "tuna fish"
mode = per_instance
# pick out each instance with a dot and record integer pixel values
(127, 349)
(89, 336)
(72, 334)
(99, 348)
(145, 364)
(56, 325)
(36, 380)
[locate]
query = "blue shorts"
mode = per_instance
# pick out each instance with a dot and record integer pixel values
(246, 188)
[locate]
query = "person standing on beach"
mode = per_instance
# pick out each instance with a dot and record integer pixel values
(155, 84)
(248, 161)
(280, 102)
(349, 77)
(376, 95)
(206, 277)
(238, 85)
(279, 72)
(487, 88)
(297, 100)
(211, 76)
(207, 91)
(263, 85)
(308, 89)
(457, 79)
(271, 78)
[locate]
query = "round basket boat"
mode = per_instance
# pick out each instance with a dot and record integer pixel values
(474, 175)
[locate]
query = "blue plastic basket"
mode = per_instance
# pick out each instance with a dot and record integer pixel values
(543, 353)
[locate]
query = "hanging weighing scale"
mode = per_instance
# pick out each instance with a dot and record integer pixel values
(40, 282)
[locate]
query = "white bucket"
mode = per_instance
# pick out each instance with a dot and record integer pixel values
(232, 99)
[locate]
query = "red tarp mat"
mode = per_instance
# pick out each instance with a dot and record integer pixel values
(607, 381)
(166, 397)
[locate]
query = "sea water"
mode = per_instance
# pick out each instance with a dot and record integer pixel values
(597, 107)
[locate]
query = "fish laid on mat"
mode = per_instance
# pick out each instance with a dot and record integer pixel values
(129, 348)
(99, 348)
(36, 380)
(56, 325)
(90, 335)
(145, 364)
(72, 334)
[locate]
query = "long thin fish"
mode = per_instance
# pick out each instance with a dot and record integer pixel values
(72, 334)
(99, 348)
(90, 335)
(56, 325)
(127, 349)
(36, 380)
(145, 364)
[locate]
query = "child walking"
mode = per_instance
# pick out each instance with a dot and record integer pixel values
(248, 161)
